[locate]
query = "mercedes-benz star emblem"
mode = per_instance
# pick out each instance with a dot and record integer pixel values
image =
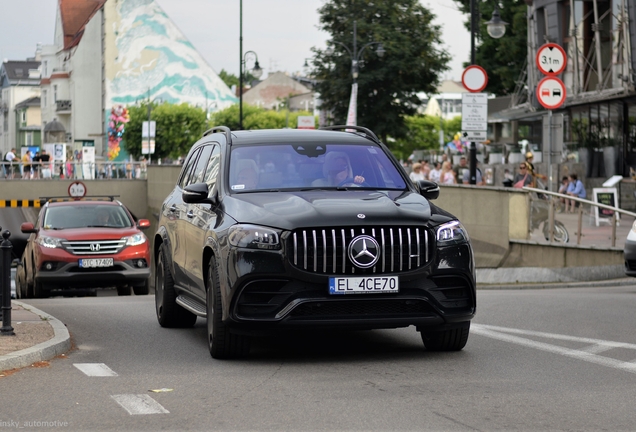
(95, 247)
(364, 251)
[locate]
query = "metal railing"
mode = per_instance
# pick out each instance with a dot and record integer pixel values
(553, 227)
(73, 170)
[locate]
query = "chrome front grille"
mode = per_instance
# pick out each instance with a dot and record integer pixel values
(94, 247)
(324, 250)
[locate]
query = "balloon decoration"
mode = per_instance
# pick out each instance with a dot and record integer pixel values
(456, 144)
(118, 118)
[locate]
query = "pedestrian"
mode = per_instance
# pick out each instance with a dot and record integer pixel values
(417, 174)
(11, 158)
(531, 170)
(26, 165)
(575, 189)
(45, 160)
(523, 178)
(436, 172)
(36, 165)
(461, 168)
(448, 175)
(479, 178)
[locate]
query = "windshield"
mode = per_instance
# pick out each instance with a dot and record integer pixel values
(82, 216)
(311, 166)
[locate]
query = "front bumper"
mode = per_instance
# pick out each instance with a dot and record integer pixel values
(273, 294)
(71, 275)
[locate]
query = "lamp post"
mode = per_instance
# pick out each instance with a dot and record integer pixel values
(150, 102)
(496, 28)
(355, 56)
(256, 72)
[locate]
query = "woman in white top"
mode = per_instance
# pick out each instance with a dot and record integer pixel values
(448, 175)
(417, 174)
(436, 173)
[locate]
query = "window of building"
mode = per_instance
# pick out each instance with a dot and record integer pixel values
(28, 139)
(55, 93)
(44, 98)
(23, 117)
(45, 69)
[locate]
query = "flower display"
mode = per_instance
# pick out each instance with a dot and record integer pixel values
(119, 116)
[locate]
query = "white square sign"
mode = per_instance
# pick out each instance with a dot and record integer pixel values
(474, 111)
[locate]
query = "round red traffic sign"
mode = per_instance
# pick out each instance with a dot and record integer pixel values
(551, 92)
(551, 59)
(77, 189)
(474, 78)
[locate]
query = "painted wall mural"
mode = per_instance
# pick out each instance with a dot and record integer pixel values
(151, 59)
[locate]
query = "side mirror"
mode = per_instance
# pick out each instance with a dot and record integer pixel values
(27, 228)
(428, 189)
(143, 224)
(197, 193)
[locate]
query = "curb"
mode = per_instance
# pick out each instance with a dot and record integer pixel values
(58, 344)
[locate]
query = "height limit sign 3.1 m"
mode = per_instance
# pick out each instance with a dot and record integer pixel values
(551, 59)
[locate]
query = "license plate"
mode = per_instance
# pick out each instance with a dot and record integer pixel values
(363, 285)
(96, 262)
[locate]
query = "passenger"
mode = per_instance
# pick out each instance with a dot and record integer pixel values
(247, 175)
(337, 171)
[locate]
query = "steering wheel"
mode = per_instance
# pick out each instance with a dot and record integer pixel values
(349, 181)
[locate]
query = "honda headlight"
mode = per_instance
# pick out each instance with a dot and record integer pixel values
(135, 240)
(49, 242)
(451, 233)
(254, 237)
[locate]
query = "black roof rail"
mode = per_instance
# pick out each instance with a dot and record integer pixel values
(84, 198)
(225, 129)
(364, 130)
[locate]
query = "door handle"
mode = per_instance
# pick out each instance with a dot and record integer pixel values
(190, 214)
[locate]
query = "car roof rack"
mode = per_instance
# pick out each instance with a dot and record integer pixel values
(224, 129)
(347, 128)
(84, 198)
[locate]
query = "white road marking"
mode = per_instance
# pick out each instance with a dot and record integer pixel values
(139, 404)
(95, 369)
(587, 354)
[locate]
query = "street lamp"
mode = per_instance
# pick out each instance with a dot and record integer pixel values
(356, 56)
(496, 28)
(256, 72)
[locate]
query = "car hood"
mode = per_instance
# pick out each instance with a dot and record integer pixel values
(290, 210)
(91, 233)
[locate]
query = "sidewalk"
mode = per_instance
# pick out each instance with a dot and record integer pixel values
(38, 337)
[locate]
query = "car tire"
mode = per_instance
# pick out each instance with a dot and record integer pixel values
(123, 290)
(142, 289)
(222, 343)
(39, 291)
(452, 339)
(169, 313)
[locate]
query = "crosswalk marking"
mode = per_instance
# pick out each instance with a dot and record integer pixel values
(587, 353)
(139, 404)
(95, 369)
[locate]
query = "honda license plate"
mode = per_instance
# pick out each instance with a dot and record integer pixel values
(364, 285)
(96, 262)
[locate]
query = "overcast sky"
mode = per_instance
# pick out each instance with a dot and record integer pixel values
(281, 32)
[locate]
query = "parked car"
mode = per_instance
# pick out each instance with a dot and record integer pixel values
(280, 229)
(90, 243)
(629, 252)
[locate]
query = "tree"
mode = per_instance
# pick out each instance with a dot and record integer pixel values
(232, 80)
(387, 86)
(256, 118)
(504, 59)
(423, 133)
(178, 127)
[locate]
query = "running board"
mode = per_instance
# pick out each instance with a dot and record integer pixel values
(192, 306)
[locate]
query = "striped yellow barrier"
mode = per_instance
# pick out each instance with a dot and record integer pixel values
(20, 203)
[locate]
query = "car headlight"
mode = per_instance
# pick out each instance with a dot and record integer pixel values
(254, 237)
(135, 240)
(451, 233)
(49, 242)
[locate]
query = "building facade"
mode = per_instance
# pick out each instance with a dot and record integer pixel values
(597, 121)
(19, 82)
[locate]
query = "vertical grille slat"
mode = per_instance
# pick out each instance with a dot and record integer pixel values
(325, 250)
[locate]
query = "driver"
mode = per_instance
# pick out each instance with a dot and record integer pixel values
(337, 171)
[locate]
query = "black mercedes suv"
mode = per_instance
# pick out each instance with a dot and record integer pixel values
(279, 229)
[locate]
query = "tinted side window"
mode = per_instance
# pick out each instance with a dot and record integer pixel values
(212, 170)
(199, 170)
(187, 169)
